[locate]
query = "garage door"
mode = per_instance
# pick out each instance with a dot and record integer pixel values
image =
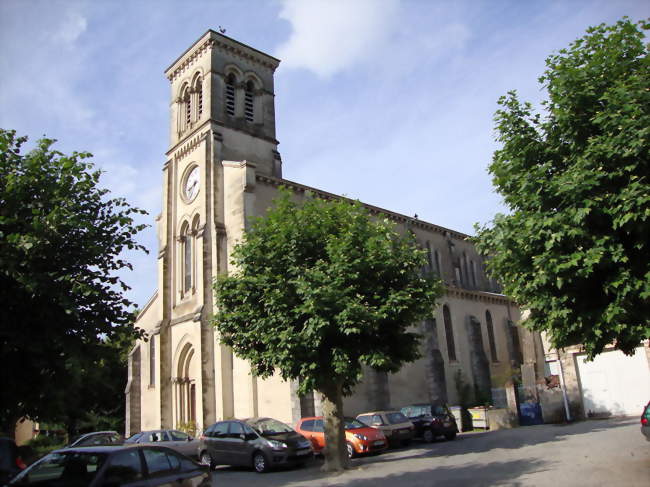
(615, 383)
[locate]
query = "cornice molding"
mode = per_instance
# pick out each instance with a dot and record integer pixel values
(211, 40)
(188, 146)
(485, 297)
(374, 210)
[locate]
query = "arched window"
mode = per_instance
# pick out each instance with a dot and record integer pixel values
(449, 332)
(464, 275)
(436, 258)
(490, 330)
(152, 360)
(186, 258)
(198, 89)
(249, 102)
(231, 81)
(187, 102)
(429, 260)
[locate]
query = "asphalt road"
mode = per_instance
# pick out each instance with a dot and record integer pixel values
(592, 453)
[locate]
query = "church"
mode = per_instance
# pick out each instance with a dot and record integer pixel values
(221, 169)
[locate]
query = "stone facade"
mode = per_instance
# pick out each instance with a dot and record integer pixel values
(222, 168)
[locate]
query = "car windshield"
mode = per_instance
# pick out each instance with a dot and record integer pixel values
(396, 418)
(353, 424)
(269, 426)
(67, 468)
(133, 438)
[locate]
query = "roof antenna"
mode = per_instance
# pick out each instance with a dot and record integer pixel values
(222, 30)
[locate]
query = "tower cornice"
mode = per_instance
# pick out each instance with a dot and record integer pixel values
(211, 40)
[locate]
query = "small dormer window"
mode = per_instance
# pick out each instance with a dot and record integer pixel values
(249, 102)
(230, 95)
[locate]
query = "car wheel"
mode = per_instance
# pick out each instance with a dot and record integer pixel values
(206, 459)
(428, 436)
(350, 448)
(450, 436)
(259, 462)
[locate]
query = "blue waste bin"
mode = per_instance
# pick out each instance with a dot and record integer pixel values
(530, 413)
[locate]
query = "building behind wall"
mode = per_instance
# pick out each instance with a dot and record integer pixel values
(222, 168)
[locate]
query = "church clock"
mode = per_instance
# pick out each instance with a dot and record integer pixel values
(191, 185)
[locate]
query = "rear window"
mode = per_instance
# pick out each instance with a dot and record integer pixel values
(178, 435)
(353, 424)
(124, 467)
(158, 461)
(396, 418)
(66, 468)
(269, 426)
(307, 425)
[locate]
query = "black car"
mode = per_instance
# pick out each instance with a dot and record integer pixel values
(97, 438)
(11, 462)
(114, 466)
(431, 421)
(260, 443)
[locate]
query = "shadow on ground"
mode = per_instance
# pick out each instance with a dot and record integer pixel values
(493, 473)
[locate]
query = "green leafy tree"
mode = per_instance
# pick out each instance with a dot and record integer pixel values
(63, 309)
(574, 249)
(322, 289)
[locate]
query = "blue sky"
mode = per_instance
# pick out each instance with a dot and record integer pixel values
(387, 101)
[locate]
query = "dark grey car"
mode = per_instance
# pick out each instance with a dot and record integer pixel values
(174, 439)
(261, 443)
(114, 466)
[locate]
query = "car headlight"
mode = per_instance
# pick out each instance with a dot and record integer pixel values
(276, 445)
(360, 436)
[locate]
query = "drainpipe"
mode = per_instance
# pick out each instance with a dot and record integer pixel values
(566, 402)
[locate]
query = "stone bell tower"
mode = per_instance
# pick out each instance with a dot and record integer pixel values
(230, 85)
(222, 116)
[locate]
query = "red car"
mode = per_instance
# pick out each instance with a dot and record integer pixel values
(359, 437)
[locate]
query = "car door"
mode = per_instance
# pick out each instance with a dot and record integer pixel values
(124, 469)
(236, 444)
(318, 434)
(215, 441)
(181, 442)
(167, 468)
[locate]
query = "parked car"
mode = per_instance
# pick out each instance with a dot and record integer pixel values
(431, 421)
(645, 422)
(360, 438)
(97, 438)
(11, 463)
(114, 466)
(261, 443)
(396, 427)
(174, 439)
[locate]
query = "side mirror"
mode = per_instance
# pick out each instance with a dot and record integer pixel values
(243, 436)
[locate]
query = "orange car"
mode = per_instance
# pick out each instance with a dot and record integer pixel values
(359, 437)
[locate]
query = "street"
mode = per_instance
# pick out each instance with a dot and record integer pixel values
(591, 453)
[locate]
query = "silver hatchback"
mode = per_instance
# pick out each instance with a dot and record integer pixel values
(261, 443)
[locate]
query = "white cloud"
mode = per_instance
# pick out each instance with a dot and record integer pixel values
(329, 36)
(72, 27)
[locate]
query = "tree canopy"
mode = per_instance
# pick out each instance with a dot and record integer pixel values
(63, 312)
(574, 247)
(320, 290)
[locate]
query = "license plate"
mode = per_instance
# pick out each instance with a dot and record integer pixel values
(302, 452)
(378, 443)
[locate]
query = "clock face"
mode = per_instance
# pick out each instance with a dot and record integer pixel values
(191, 187)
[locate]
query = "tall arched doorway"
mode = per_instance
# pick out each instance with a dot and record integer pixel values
(185, 388)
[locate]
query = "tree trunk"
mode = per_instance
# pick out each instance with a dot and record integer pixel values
(336, 454)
